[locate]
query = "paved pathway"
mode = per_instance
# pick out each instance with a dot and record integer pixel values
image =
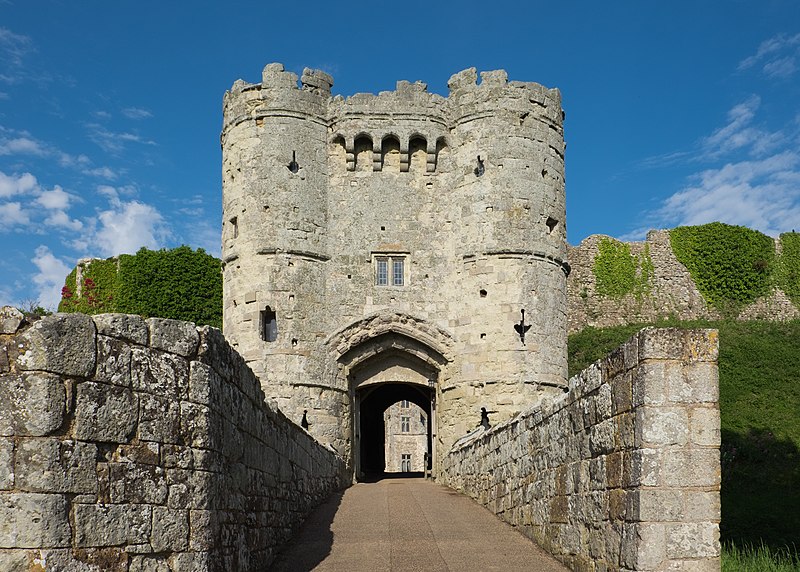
(410, 525)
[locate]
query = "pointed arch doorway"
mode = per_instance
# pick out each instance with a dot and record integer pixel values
(381, 379)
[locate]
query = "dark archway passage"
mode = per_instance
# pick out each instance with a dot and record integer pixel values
(373, 401)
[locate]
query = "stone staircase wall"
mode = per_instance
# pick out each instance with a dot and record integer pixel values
(144, 445)
(620, 473)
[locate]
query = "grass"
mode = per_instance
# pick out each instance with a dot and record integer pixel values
(758, 559)
(759, 371)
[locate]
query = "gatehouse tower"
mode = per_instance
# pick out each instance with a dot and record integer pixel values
(398, 246)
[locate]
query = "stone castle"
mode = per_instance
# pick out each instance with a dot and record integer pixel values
(395, 246)
(403, 247)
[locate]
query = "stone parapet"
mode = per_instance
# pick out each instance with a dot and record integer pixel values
(132, 444)
(622, 472)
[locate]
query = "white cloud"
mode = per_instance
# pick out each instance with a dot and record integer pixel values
(14, 47)
(128, 226)
(114, 142)
(55, 199)
(136, 113)
(777, 56)
(738, 133)
(61, 219)
(50, 277)
(11, 185)
(21, 146)
(102, 172)
(13, 214)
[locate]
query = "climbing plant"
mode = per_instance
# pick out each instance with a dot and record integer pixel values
(788, 267)
(618, 272)
(731, 265)
(97, 288)
(180, 283)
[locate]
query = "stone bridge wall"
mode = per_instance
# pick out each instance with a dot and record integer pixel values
(144, 445)
(620, 473)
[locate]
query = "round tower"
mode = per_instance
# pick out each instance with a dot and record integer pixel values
(274, 248)
(510, 268)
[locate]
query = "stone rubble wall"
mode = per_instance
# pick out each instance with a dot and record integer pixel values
(620, 473)
(144, 445)
(673, 293)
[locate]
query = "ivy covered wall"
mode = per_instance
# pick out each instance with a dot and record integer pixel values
(180, 283)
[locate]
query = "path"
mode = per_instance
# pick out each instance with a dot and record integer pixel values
(411, 525)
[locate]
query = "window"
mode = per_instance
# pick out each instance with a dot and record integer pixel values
(404, 404)
(390, 270)
(269, 325)
(405, 423)
(405, 463)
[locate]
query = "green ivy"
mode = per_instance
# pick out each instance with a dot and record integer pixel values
(618, 272)
(788, 268)
(97, 288)
(180, 283)
(731, 265)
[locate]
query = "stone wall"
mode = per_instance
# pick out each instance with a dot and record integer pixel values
(620, 473)
(144, 445)
(672, 293)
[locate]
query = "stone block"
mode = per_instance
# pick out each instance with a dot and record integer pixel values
(15, 560)
(701, 506)
(692, 468)
(650, 382)
(113, 361)
(205, 384)
(201, 427)
(704, 426)
(661, 426)
(142, 563)
(159, 419)
(10, 320)
(160, 373)
(52, 465)
(137, 483)
(6, 464)
(146, 453)
(692, 540)
(643, 546)
(170, 531)
(698, 384)
(621, 393)
(173, 336)
(660, 343)
(105, 413)
(32, 520)
(190, 561)
(62, 344)
(601, 438)
(655, 505)
(202, 529)
(31, 404)
(125, 327)
(111, 525)
(644, 468)
(701, 346)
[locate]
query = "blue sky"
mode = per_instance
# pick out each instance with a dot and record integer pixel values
(680, 112)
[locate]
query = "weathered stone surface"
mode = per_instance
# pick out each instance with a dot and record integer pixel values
(29, 520)
(14, 560)
(170, 530)
(52, 465)
(160, 373)
(112, 525)
(31, 404)
(104, 413)
(62, 344)
(173, 336)
(113, 361)
(137, 483)
(10, 319)
(149, 564)
(122, 326)
(6, 464)
(159, 419)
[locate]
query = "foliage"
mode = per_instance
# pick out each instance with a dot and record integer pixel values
(758, 559)
(98, 285)
(731, 265)
(181, 283)
(788, 271)
(759, 364)
(617, 272)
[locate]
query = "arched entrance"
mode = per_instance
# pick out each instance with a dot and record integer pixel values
(372, 402)
(385, 358)
(383, 379)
